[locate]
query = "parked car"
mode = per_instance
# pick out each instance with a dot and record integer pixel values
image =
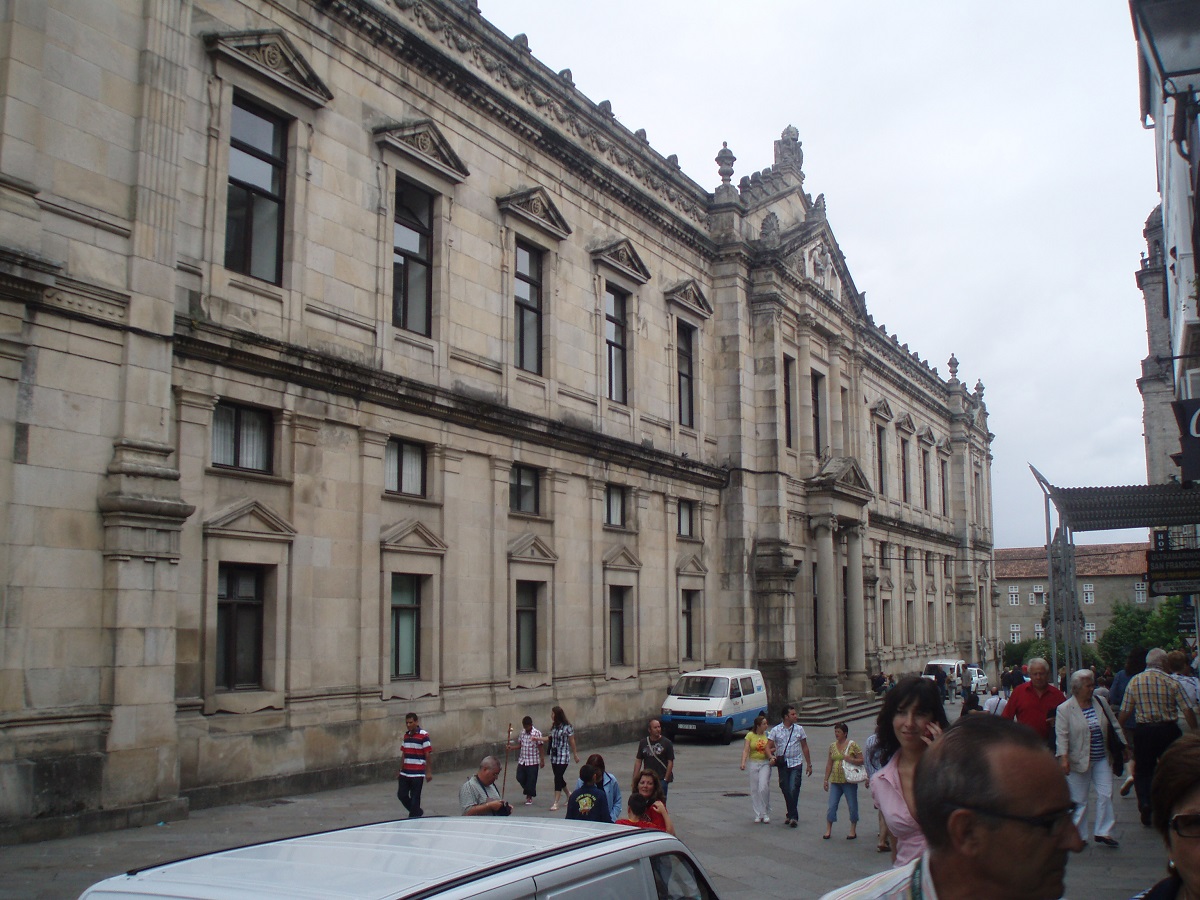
(716, 702)
(977, 678)
(443, 858)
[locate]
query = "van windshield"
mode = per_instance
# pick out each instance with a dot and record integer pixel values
(701, 686)
(932, 669)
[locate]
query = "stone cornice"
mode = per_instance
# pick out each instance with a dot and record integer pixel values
(465, 53)
(296, 365)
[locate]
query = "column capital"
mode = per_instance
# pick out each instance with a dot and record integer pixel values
(824, 521)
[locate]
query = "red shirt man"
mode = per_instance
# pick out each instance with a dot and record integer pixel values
(1034, 702)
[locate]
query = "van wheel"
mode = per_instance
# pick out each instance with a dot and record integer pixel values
(727, 734)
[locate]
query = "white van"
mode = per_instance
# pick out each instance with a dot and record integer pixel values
(956, 672)
(715, 702)
(443, 858)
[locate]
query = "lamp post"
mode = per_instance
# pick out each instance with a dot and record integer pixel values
(1168, 33)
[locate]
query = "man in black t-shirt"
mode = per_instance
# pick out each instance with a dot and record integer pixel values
(657, 754)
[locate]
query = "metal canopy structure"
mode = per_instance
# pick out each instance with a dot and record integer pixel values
(1124, 506)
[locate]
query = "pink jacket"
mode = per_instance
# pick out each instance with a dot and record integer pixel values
(889, 797)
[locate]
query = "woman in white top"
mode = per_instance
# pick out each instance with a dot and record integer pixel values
(1081, 727)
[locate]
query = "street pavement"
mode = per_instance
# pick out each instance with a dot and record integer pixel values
(709, 803)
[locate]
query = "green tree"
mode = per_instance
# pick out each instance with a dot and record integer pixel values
(1162, 625)
(1126, 631)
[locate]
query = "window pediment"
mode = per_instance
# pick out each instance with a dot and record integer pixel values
(622, 558)
(690, 565)
(248, 517)
(411, 536)
(881, 409)
(530, 548)
(906, 423)
(535, 207)
(943, 446)
(688, 295)
(423, 143)
(621, 255)
(272, 57)
(926, 436)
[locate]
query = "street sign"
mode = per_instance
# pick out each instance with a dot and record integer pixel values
(1187, 623)
(1173, 572)
(1162, 540)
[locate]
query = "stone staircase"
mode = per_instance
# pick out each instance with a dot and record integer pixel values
(829, 710)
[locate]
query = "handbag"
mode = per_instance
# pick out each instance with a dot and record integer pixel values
(855, 774)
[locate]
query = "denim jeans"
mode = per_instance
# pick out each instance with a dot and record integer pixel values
(789, 782)
(836, 792)
(408, 791)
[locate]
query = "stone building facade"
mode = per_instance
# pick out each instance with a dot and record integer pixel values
(1105, 574)
(353, 362)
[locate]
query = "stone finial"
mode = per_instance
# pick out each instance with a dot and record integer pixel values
(979, 389)
(953, 366)
(818, 207)
(725, 160)
(673, 160)
(606, 107)
(566, 76)
(640, 134)
(787, 148)
(522, 41)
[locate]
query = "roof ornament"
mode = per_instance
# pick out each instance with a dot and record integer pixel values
(953, 364)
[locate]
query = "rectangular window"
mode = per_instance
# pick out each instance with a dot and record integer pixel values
(614, 506)
(528, 315)
(817, 386)
(255, 195)
(881, 460)
(523, 490)
(406, 625)
(789, 411)
(616, 625)
(885, 559)
(908, 559)
(924, 479)
(241, 437)
(239, 627)
(412, 259)
(685, 362)
(1089, 594)
(943, 484)
(689, 609)
(948, 566)
(1089, 632)
(978, 482)
(930, 563)
(527, 625)
(1014, 633)
(1014, 595)
(904, 495)
(686, 522)
(1139, 592)
(1039, 630)
(404, 468)
(616, 340)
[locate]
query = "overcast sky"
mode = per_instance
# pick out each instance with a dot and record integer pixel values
(985, 172)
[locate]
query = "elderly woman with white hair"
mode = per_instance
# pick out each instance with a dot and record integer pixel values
(1082, 728)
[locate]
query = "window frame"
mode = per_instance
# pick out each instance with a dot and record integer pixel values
(616, 342)
(689, 627)
(401, 300)
(277, 161)
(241, 411)
(526, 609)
(685, 363)
(617, 622)
(616, 494)
(394, 636)
(228, 646)
(516, 485)
(531, 307)
(394, 469)
(685, 513)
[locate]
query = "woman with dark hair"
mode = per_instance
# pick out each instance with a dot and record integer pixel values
(971, 705)
(562, 748)
(1175, 798)
(912, 718)
(648, 785)
(755, 752)
(607, 783)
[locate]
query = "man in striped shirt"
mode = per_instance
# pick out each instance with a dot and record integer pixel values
(414, 767)
(1155, 701)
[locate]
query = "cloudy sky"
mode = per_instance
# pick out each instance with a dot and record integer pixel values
(984, 168)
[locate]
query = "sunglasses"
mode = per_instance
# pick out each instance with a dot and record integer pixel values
(1053, 822)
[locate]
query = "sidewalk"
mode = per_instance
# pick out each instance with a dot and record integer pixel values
(709, 803)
